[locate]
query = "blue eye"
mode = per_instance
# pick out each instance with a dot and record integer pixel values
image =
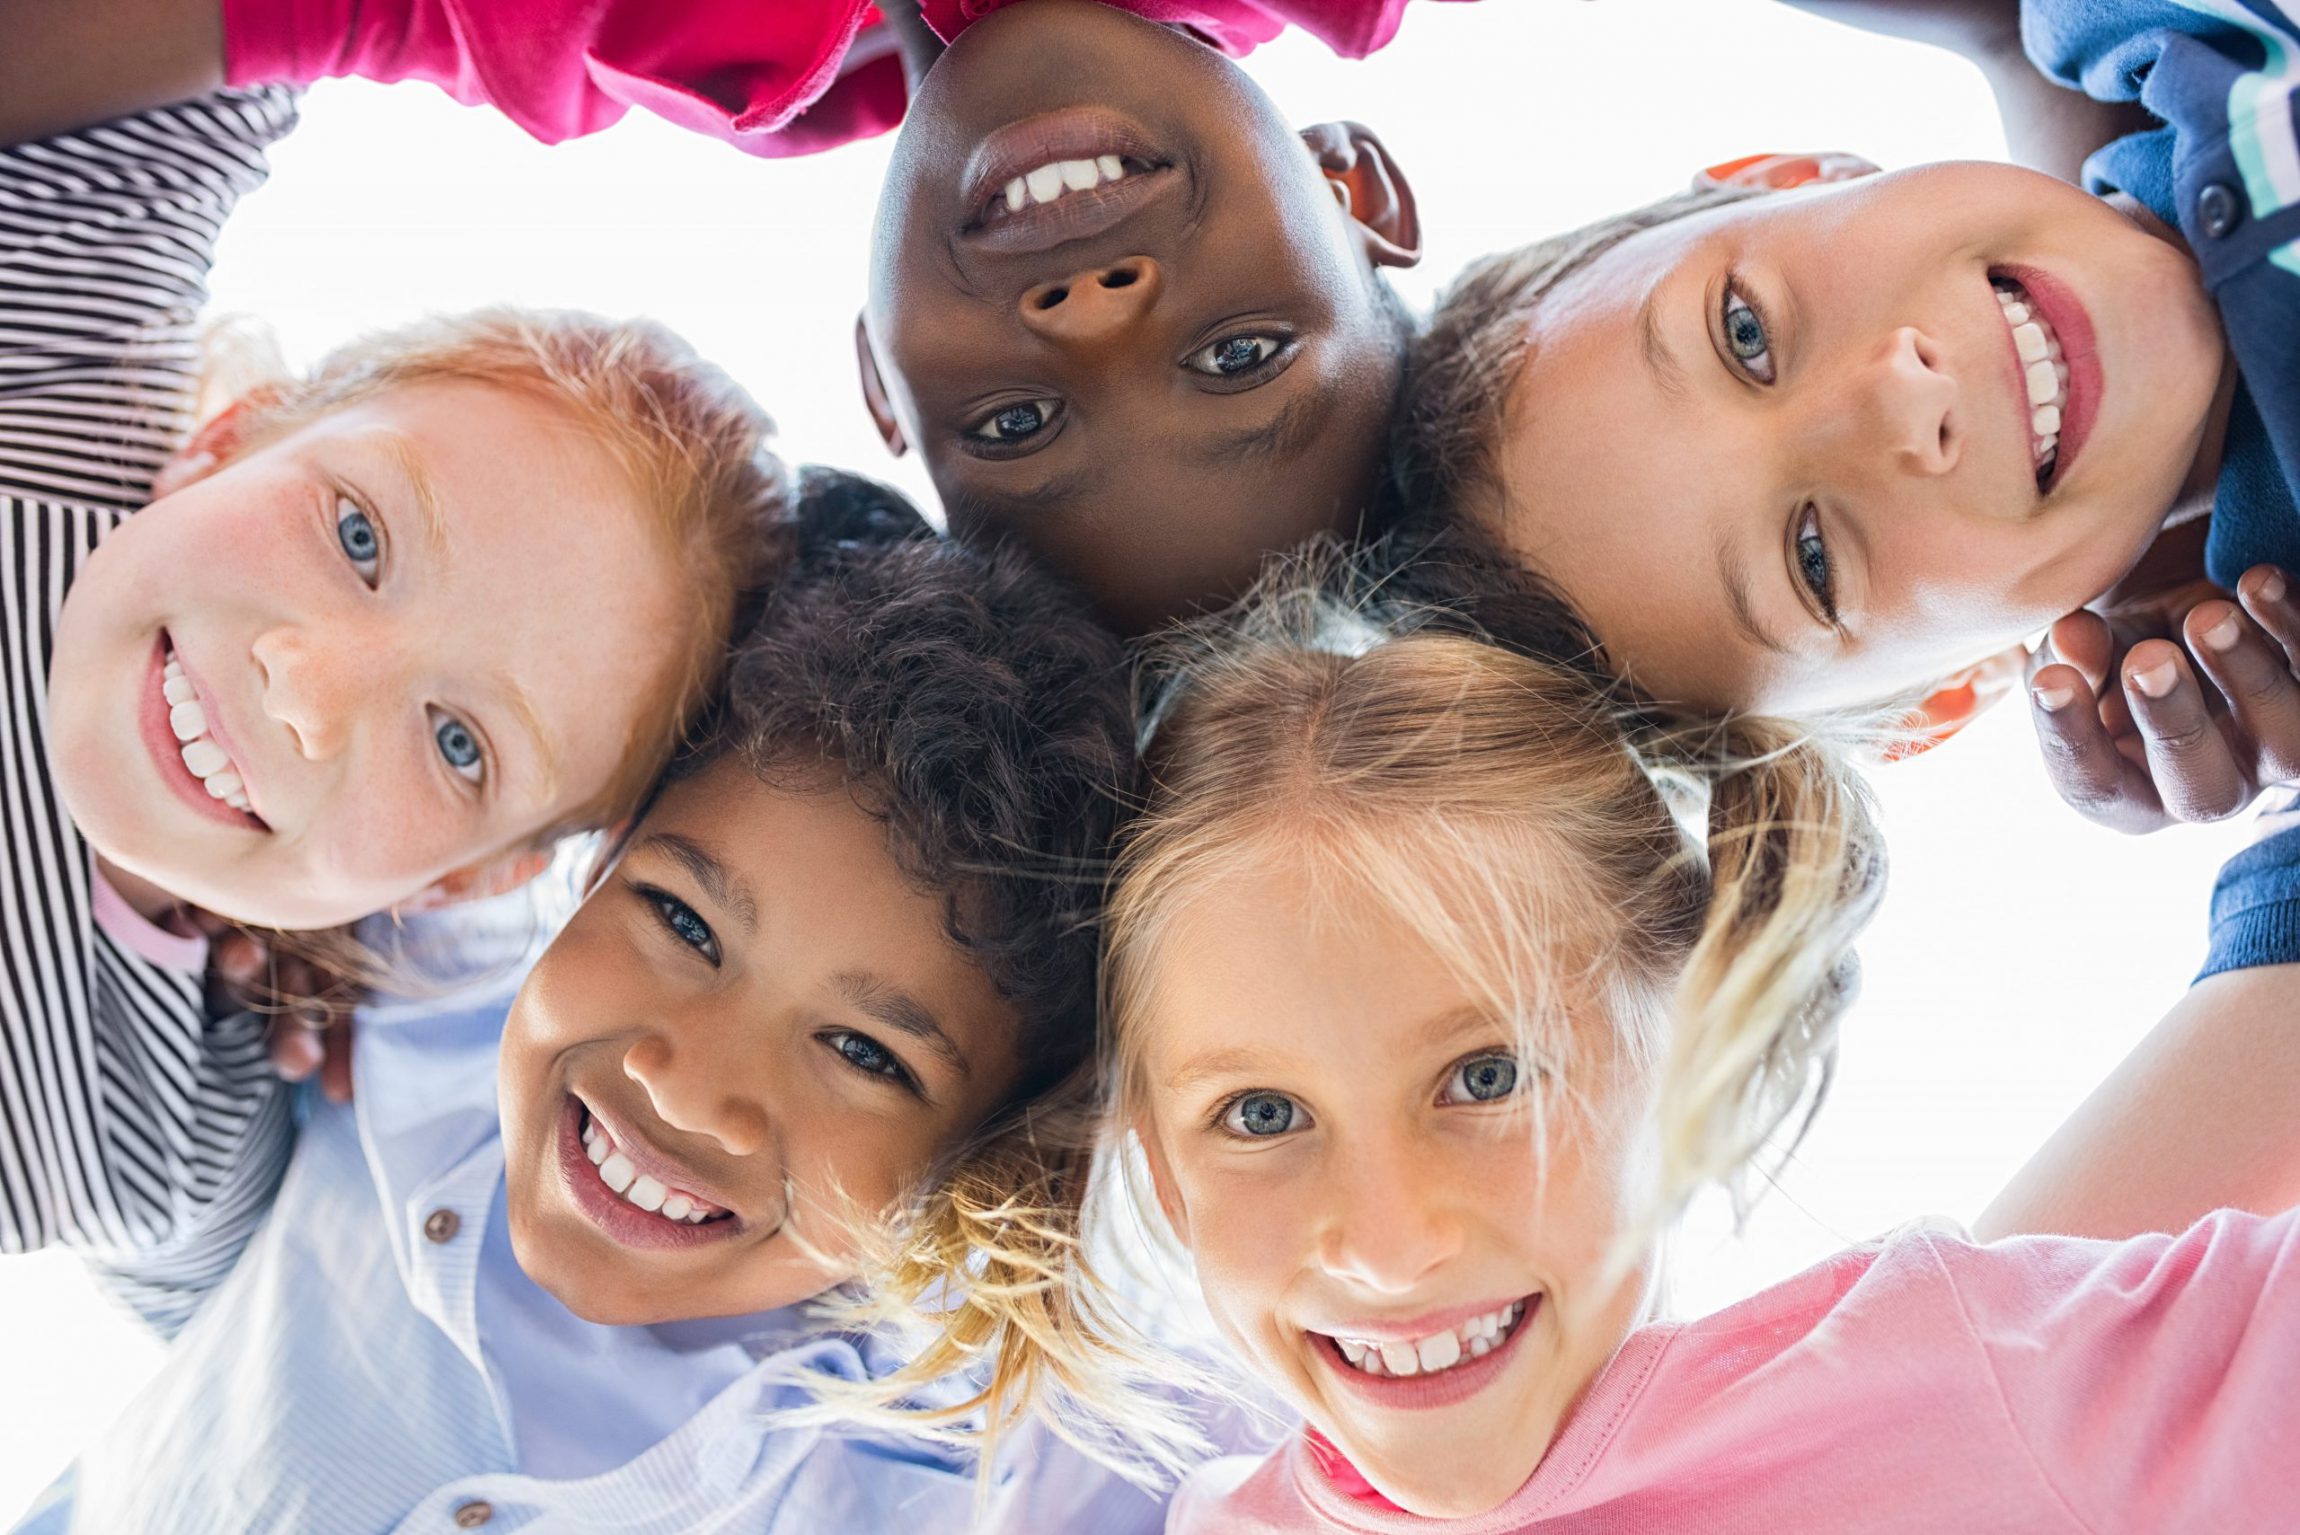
(457, 745)
(1260, 1114)
(867, 1055)
(1234, 355)
(1484, 1079)
(681, 920)
(362, 542)
(1814, 567)
(1746, 336)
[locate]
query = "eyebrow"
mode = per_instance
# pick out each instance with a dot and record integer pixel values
(1437, 1029)
(884, 1002)
(718, 882)
(1285, 434)
(1735, 575)
(410, 465)
(1667, 371)
(521, 707)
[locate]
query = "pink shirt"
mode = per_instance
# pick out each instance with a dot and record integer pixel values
(1916, 1386)
(774, 77)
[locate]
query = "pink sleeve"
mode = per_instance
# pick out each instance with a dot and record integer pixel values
(2152, 1380)
(775, 79)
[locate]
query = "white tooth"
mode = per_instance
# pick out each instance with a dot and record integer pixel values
(1516, 1309)
(2028, 340)
(2043, 383)
(1111, 167)
(598, 1150)
(189, 721)
(2059, 370)
(617, 1172)
(1045, 183)
(1480, 1346)
(1372, 1364)
(1438, 1351)
(1079, 175)
(2044, 420)
(1016, 195)
(1353, 1351)
(1401, 1358)
(239, 802)
(678, 1207)
(222, 785)
(176, 689)
(2016, 312)
(205, 757)
(2045, 446)
(700, 1216)
(172, 667)
(646, 1193)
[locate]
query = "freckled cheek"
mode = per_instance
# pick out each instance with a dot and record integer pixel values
(1251, 1238)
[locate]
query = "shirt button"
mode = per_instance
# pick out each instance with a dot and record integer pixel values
(2217, 210)
(441, 1226)
(478, 1511)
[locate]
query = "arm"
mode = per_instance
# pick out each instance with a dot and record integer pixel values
(67, 63)
(2204, 1114)
(2046, 127)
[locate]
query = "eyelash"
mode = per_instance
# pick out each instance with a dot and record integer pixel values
(671, 912)
(895, 1071)
(1220, 1118)
(1733, 301)
(1256, 373)
(983, 446)
(1822, 584)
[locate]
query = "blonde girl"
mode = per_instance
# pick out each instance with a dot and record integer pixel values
(372, 637)
(1424, 1011)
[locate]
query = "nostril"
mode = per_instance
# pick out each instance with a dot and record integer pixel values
(1120, 277)
(1052, 297)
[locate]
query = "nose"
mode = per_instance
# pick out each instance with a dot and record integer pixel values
(689, 1093)
(1912, 405)
(317, 688)
(1391, 1223)
(1094, 307)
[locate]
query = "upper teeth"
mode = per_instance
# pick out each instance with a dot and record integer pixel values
(637, 1188)
(1051, 181)
(203, 758)
(2044, 370)
(1473, 1339)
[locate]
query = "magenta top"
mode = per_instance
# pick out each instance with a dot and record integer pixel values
(773, 77)
(1915, 1386)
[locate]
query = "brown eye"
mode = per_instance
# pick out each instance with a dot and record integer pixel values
(1233, 356)
(1010, 425)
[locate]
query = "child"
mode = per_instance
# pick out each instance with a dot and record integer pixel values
(1422, 1005)
(1813, 450)
(385, 635)
(1124, 311)
(839, 961)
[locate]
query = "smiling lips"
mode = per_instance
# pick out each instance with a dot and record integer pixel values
(204, 758)
(2044, 373)
(1473, 1338)
(623, 1178)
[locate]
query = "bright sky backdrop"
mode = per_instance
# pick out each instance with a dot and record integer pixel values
(2021, 953)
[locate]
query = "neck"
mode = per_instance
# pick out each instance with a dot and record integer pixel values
(148, 900)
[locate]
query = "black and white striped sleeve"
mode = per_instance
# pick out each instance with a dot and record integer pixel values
(132, 1123)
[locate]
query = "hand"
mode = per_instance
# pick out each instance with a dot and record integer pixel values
(310, 1009)
(2159, 747)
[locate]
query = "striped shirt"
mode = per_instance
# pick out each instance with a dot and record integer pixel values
(133, 1123)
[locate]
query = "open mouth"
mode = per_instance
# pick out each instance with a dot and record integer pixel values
(179, 727)
(1046, 185)
(1060, 176)
(621, 1177)
(2044, 373)
(1447, 1349)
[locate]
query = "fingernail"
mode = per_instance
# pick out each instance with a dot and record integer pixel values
(2052, 700)
(2271, 587)
(2222, 635)
(2157, 680)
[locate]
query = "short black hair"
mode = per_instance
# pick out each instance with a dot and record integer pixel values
(966, 699)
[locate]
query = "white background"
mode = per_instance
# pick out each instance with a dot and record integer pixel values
(2021, 952)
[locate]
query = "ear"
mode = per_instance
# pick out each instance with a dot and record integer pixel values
(1778, 173)
(214, 445)
(498, 876)
(875, 398)
(1162, 1181)
(1958, 701)
(1371, 189)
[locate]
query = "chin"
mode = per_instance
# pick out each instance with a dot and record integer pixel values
(1453, 1483)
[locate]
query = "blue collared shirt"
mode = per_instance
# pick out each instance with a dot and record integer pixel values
(378, 1361)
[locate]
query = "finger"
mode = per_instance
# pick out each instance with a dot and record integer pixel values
(335, 1070)
(2252, 674)
(238, 960)
(296, 1052)
(2081, 759)
(2196, 775)
(2083, 640)
(2267, 597)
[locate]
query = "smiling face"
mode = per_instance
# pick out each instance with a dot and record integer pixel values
(401, 639)
(1120, 309)
(1347, 1144)
(754, 1011)
(1817, 447)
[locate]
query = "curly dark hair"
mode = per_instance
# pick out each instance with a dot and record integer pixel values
(969, 702)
